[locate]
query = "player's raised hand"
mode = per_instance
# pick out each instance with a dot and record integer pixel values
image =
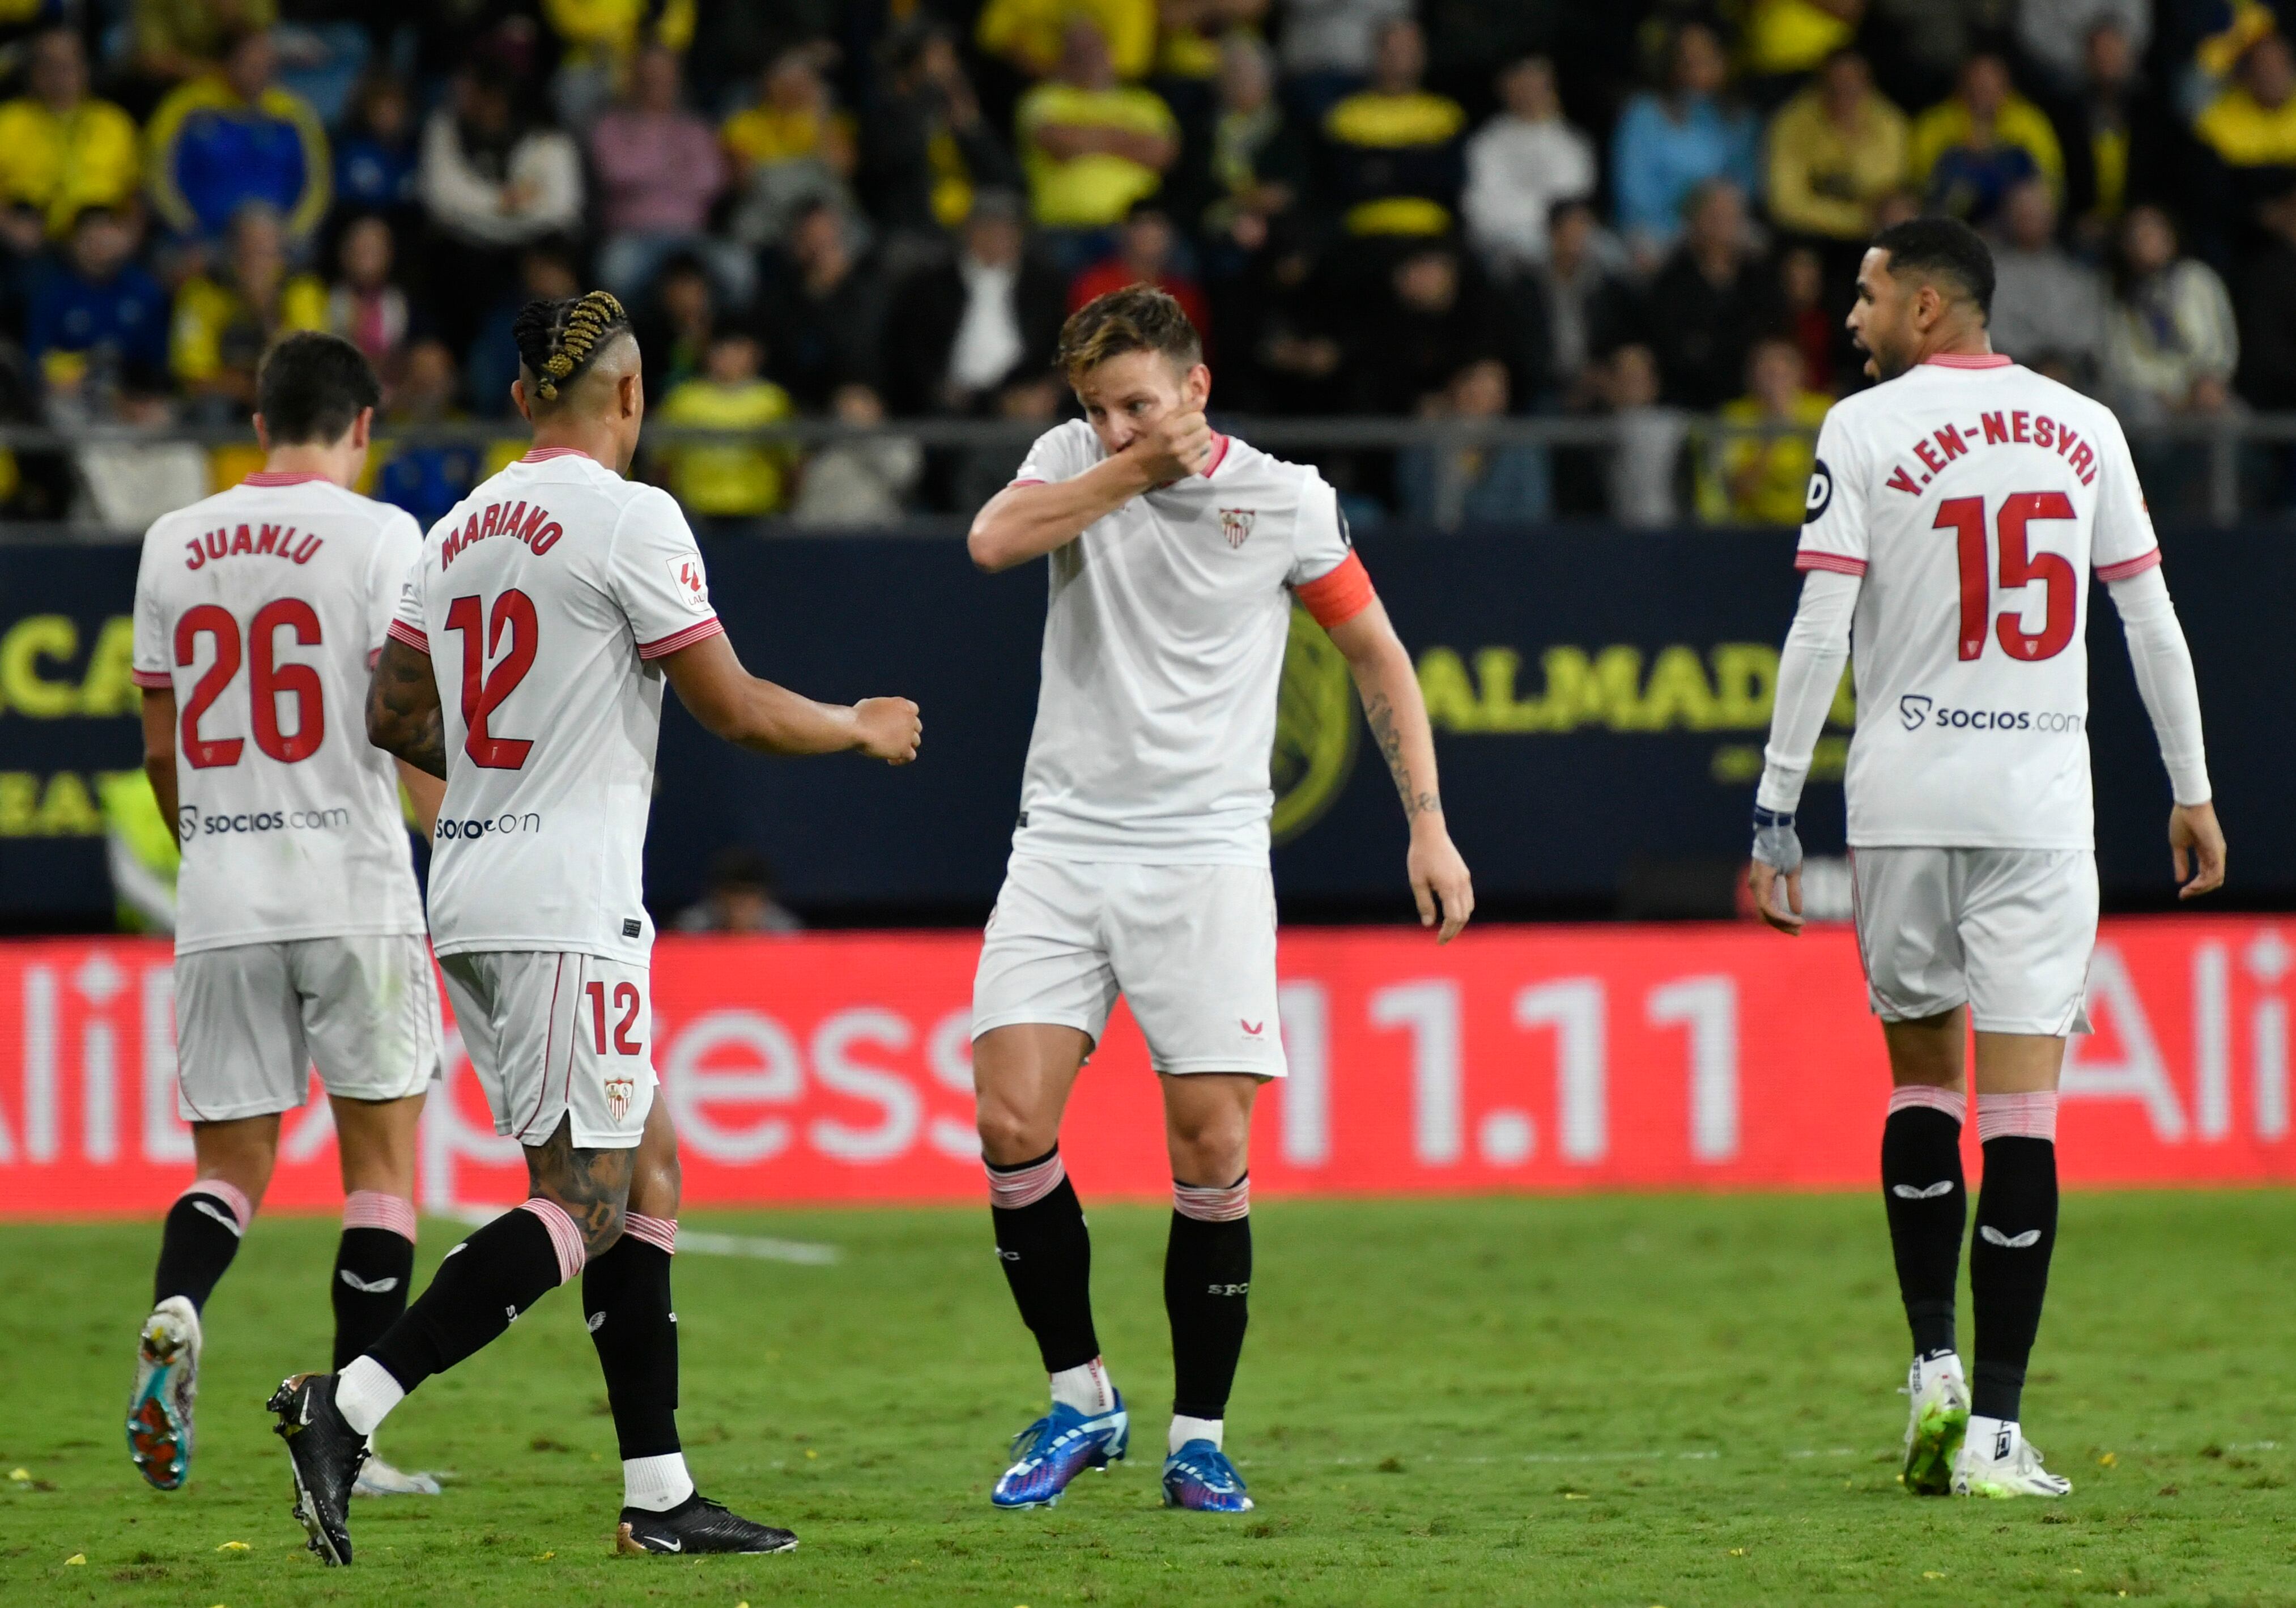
(2196, 844)
(1173, 448)
(1439, 881)
(888, 729)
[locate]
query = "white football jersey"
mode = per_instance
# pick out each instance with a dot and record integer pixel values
(543, 598)
(1975, 496)
(1163, 651)
(262, 607)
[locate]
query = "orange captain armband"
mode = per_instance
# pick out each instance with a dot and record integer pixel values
(1338, 597)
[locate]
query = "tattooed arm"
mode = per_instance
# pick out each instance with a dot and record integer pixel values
(402, 708)
(1392, 702)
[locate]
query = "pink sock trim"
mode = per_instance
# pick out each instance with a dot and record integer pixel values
(2029, 1116)
(1212, 1205)
(1025, 1185)
(374, 1208)
(236, 1200)
(660, 1233)
(1914, 1096)
(564, 1237)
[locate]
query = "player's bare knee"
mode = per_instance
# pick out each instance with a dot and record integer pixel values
(1009, 1136)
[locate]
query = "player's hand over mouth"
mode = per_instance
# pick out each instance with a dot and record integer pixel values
(888, 728)
(1174, 447)
(1439, 879)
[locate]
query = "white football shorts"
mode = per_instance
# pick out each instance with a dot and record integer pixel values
(2006, 931)
(250, 1019)
(554, 1034)
(1191, 947)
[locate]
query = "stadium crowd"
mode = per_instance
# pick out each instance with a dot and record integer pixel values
(1453, 209)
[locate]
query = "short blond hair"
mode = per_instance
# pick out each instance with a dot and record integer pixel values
(1137, 318)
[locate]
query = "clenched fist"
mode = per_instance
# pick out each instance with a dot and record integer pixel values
(888, 729)
(1173, 448)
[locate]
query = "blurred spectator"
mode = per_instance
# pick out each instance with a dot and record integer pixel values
(1588, 307)
(2055, 33)
(1785, 37)
(1668, 143)
(2048, 307)
(427, 480)
(825, 313)
(1835, 149)
(1259, 164)
(1434, 318)
(1090, 148)
(984, 472)
(1328, 46)
(728, 480)
(599, 38)
(234, 137)
(2113, 133)
(545, 272)
(1709, 301)
(1447, 484)
(1147, 252)
(2171, 344)
(1648, 455)
(2253, 123)
(963, 333)
(792, 149)
(1519, 164)
(98, 326)
(1393, 151)
(740, 898)
(863, 482)
(1030, 36)
(364, 307)
(2268, 310)
(61, 151)
(927, 151)
(1762, 479)
(1970, 150)
(1807, 323)
(659, 169)
(493, 180)
(223, 325)
(675, 324)
(376, 155)
(180, 39)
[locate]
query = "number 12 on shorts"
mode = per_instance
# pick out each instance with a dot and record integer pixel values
(626, 1001)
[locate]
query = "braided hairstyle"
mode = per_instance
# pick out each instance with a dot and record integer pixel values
(556, 339)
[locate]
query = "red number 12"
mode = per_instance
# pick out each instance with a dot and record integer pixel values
(626, 1000)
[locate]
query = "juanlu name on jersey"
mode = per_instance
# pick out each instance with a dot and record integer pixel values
(2015, 428)
(533, 526)
(262, 541)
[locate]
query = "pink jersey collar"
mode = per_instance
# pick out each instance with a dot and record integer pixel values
(1219, 455)
(543, 455)
(282, 477)
(1971, 360)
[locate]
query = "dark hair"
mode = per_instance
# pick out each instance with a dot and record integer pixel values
(1944, 249)
(312, 388)
(1137, 318)
(557, 339)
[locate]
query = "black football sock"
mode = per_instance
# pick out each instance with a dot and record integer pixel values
(484, 1283)
(2009, 1266)
(625, 1298)
(198, 1241)
(375, 1264)
(1206, 1293)
(1047, 1253)
(1927, 1204)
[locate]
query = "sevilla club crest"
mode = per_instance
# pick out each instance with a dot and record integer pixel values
(619, 1091)
(1235, 524)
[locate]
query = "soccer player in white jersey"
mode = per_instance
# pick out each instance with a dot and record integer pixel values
(526, 666)
(1955, 515)
(298, 930)
(1140, 863)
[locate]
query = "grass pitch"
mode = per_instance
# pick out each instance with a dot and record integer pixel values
(1613, 1400)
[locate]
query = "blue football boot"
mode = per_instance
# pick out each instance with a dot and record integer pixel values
(1058, 1448)
(1200, 1476)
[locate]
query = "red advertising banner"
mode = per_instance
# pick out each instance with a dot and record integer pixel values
(835, 1068)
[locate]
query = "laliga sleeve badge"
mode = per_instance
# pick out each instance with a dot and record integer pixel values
(1820, 496)
(686, 577)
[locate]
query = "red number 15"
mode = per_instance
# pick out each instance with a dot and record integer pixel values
(1966, 516)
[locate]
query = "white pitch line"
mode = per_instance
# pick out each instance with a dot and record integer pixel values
(806, 1253)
